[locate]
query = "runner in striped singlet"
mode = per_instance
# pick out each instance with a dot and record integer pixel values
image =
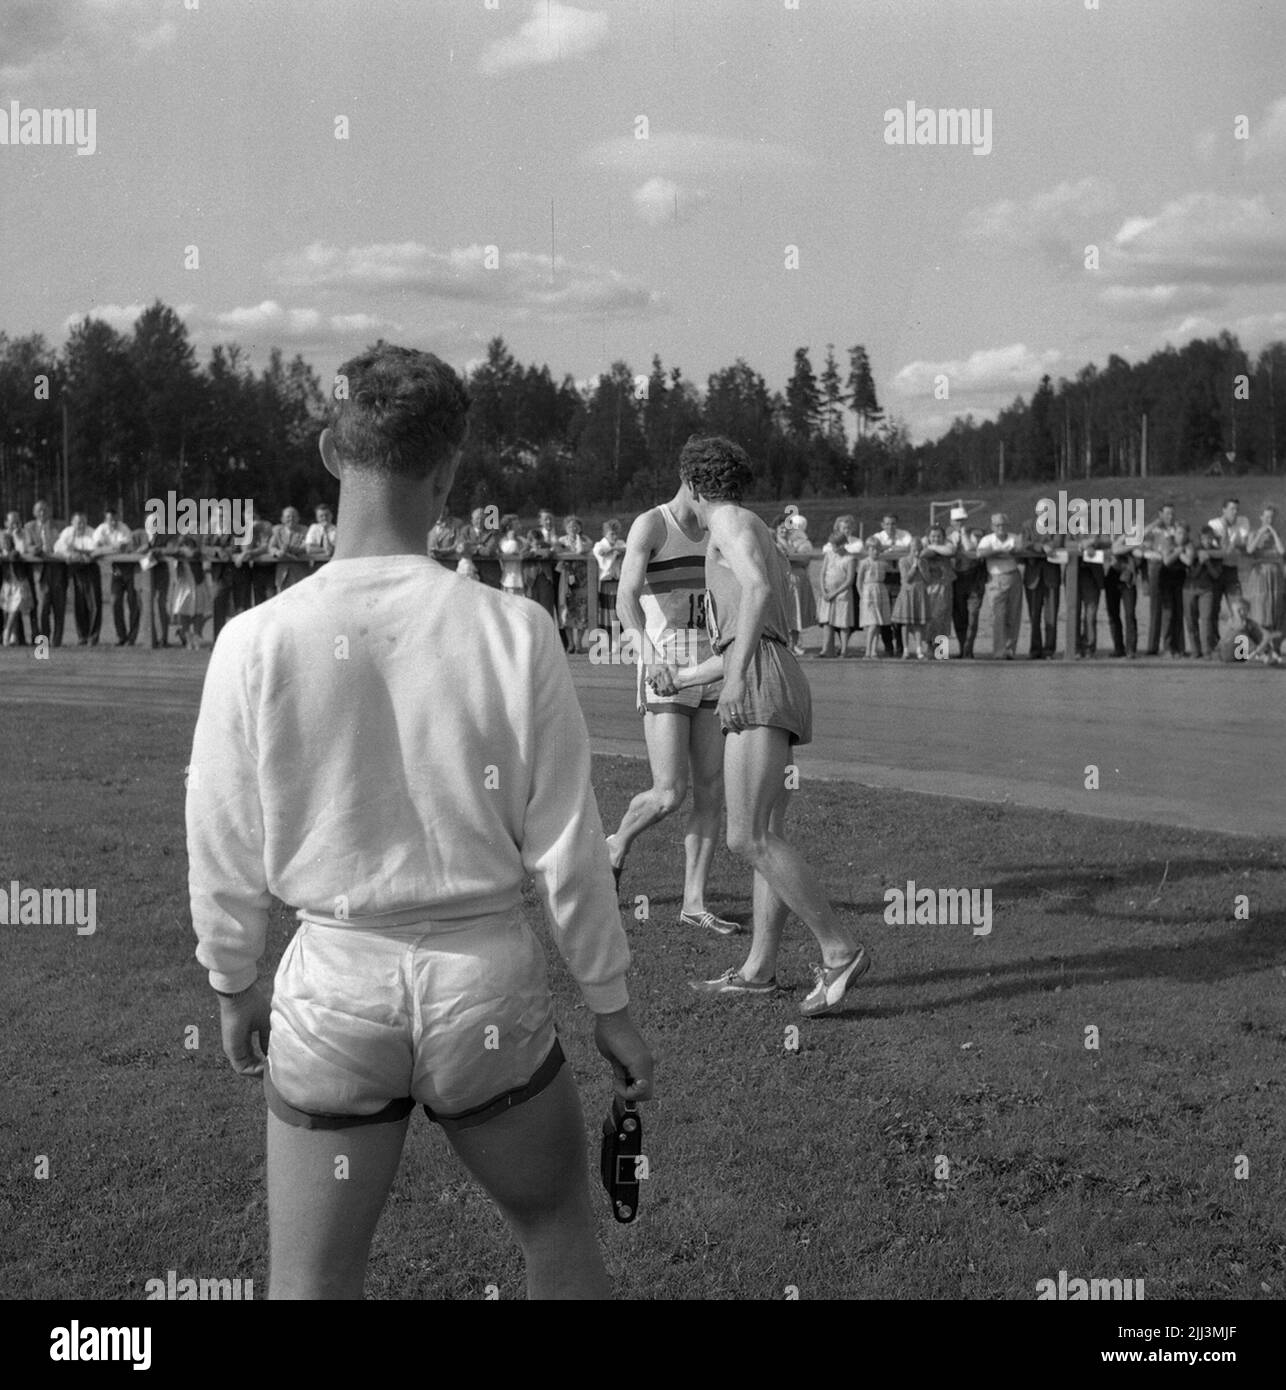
(764, 710)
(660, 597)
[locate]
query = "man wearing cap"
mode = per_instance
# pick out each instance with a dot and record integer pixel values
(1004, 586)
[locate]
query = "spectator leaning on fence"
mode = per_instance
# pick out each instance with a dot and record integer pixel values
(319, 539)
(289, 550)
(609, 551)
(1203, 586)
(939, 581)
(1165, 584)
(573, 587)
(1042, 586)
(76, 546)
(15, 593)
(1004, 586)
(113, 537)
(49, 581)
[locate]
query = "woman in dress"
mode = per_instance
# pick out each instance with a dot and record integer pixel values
(911, 611)
(15, 594)
(573, 591)
(1265, 590)
(836, 612)
(511, 550)
(938, 567)
(874, 594)
(803, 605)
(187, 581)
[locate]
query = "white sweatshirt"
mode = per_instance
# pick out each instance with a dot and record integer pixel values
(387, 742)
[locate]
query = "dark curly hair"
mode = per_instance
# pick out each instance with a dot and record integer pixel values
(404, 412)
(715, 468)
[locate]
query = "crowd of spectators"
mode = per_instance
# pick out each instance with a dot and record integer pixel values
(1214, 590)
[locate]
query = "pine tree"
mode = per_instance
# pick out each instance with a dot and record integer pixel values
(861, 390)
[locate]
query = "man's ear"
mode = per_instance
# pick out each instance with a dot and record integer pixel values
(326, 446)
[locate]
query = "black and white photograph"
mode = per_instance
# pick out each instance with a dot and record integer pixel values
(641, 658)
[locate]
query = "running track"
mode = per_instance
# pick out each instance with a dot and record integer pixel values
(1188, 744)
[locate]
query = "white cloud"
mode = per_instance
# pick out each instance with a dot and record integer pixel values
(1202, 238)
(1252, 331)
(121, 317)
(40, 36)
(990, 375)
(661, 200)
(680, 152)
(520, 282)
(1054, 220)
(554, 31)
(1157, 301)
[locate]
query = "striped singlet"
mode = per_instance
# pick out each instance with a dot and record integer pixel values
(671, 596)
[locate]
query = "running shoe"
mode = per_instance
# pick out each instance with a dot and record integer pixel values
(730, 982)
(831, 984)
(709, 922)
(616, 871)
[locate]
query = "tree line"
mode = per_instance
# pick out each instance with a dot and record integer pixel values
(114, 418)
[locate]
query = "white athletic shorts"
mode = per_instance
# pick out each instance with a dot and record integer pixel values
(367, 1022)
(671, 648)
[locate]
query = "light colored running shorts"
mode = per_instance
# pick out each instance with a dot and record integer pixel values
(368, 1022)
(685, 702)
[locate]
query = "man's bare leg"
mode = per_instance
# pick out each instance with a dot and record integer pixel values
(770, 910)
(531, 1160)
(755, 762)
(319, 1224)
(667, 751)
(705, 753)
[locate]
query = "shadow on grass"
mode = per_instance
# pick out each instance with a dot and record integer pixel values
(1247, 946)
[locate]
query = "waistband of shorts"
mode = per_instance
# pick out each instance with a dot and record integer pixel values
(425, 919)
(720, 647)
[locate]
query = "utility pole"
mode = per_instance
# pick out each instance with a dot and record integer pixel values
(1143, 457)
(66, 464)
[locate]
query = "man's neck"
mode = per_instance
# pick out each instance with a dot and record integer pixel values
(384, 517)
(685, 514)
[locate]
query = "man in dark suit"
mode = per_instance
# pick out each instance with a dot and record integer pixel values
(1042, 588)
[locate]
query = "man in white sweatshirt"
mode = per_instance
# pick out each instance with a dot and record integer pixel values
(346, 761)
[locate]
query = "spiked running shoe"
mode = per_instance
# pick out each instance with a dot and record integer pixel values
(709, 922)
(830, 985)
(730, 982)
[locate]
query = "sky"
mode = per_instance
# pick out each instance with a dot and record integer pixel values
(493, 181)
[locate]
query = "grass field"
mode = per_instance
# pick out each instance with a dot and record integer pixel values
(769, 1168)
